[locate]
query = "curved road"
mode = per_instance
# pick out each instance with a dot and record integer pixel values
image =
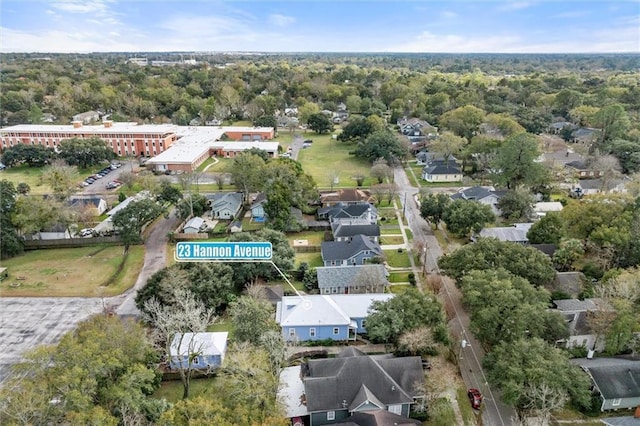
(155, 258)
(494, 412)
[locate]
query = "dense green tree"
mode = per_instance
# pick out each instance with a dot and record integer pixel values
(62, 179)
(278, 206)
(266, 121)
(32, 155)
(613, 122)
(102, 371)
(489, 253)
(515, 163)
(464, 217)
(85, 152)
(169, 193)
(10, 243)
(382, 144)
(432, 207)
(356, 130)
(548, 230)
(447, 145)
(406, 311)
(131, 220)
(320, 123)
(531, 361)
(628, 153)
(23, 188)
(516, 204)
(505, 308)
(252, 316)
(247, 172)
(463, 121)
(195, 204)
(283, 256)
(210, 283)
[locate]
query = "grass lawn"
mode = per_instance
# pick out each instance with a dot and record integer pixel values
(414, 173)
(391, 230)
(391, 240)
(468, 415)
(397, 260)
(32, 176)
(172, 390)
(399, 288)
(72, 272)
(218, 166)
(313, 237)
(399, 277)
(249, 225)
(314, 259)
(409, 234)
(223, 324)
(327, 156)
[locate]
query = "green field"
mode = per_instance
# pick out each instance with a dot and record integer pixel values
(396, 259)
(72, 272)
(32, 176)
(391, 239)
(172, 390)
(314, 238)
(327, 157)
(314, 259)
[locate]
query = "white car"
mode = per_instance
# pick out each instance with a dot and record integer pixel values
(86, 232)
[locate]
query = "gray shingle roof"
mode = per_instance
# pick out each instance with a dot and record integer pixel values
(331, 384)
(342, 229)
(344, 276)
(617, 381)
(442, 169)
(222, 200)
(341, 250)
(474, 193)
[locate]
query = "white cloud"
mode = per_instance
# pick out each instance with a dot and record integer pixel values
(510, 6)
(448, 14)
(80, 6)
(454, 43)
(571, 14)
(281, 20)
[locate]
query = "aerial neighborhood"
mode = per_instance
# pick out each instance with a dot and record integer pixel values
(451, 241)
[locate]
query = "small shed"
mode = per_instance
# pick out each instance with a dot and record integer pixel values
(236, 226)
(194, 225)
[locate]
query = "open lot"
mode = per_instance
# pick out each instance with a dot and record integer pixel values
(32, 176)
(85, 271)
(28, 322)
(327, 157)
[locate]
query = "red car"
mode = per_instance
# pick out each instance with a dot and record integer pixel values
(475, 397)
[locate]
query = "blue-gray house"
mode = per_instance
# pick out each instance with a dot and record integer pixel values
(342, 389)
(257, 208)
(198, 351)
(356, 251)
(317, 317)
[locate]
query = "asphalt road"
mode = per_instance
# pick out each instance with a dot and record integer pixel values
(494, 412)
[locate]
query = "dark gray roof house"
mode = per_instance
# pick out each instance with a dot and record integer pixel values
(617, 383)
(577, 314)
(353, 252)
(571, 283)
(341, 211)
(584, 134)
(441, 172)
(343, 231)
(225, 205)
(335, 388)
(352, 279)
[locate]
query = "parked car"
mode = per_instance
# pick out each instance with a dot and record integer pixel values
(90, 180)
(475, 398)
(309, 141)
(87, 232)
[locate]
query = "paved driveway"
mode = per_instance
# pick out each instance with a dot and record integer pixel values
(27, 322)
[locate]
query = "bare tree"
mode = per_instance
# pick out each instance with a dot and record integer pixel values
(334, 177)
(542, 399)
(610, 168)
(417, 342)
(179, 321)
(369, 281)
(381, 170)
(220, 179)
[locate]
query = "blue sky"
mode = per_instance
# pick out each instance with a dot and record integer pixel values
(547, 26)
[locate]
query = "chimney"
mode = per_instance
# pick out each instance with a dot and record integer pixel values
(76, 124)
(107, 123)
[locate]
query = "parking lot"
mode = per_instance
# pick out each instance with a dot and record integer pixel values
(26, 323)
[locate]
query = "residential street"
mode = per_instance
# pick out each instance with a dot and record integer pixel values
(494, 412)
